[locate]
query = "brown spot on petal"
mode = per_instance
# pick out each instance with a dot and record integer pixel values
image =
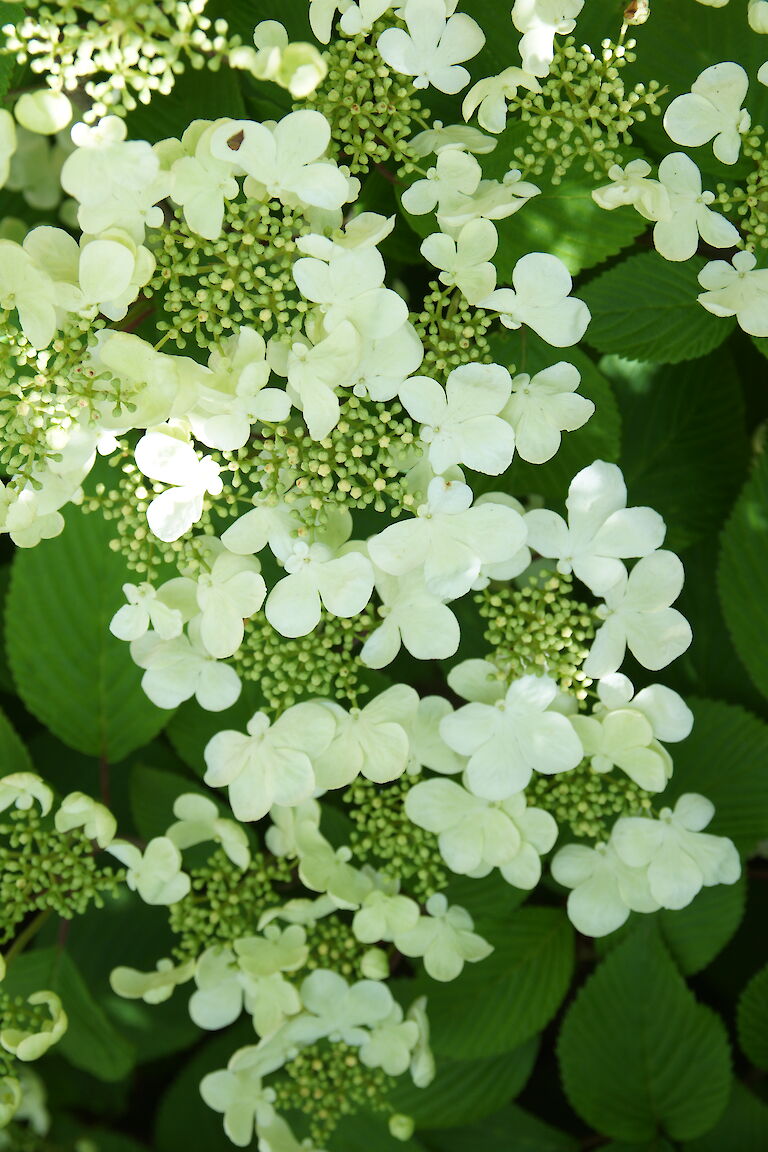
(235, 141)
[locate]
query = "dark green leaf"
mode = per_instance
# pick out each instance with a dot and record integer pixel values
(71, 672)
(14, 756)
(512, 994)
(753, 1019)
(743, 574)
(696, 934)
(512, 1130)
(638, 1055)
(646, 308)
(687, 435)
(743, 1126)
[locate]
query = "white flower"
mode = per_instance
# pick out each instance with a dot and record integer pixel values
(371, 741)
(600, 529)
(491, 200)
(317, 577)
(489, 97)
(445, 939)
(316, 371)
(433, 48)
(156, 874)
(202, 182)
(543, 406)
(361, 16)
(339, 1011)
(638, 616)
(737, 289)
(449, 539)
(678, 857)
(541, 300)
(440, 136)
(384, 365)
(465, 261)
(22, 789)
(391, 1043)
(198, 821)
(30, 291)
(605, 889)
(179, 668)
(713, 108)
(676, 235)
(476, 835)
(461, 425)
(428, 749)
(284, 161)
(272, 764)
(413, 617)
(233, 396)
(80, 811)
(540, 21)
(624, 737)
(630, 185)
(164, 457)
(455, 176)
(349, 286)
(382, 915)
(166, 609)
(239, 1094)
(30, 1041)
(227, 595)
(151, 987)
(666, 711)
(508, 741)
(757, 16)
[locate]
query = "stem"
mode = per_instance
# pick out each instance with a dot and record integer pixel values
(28, 934)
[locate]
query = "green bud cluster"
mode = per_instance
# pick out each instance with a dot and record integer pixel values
(540, 628)
(211, 288)
(323, 663)
(333, 944)
(750, 201)
(357, 465)
(371, 110)
(588, 802)
(42, 869)
(43, 392)
(584, 111)
(327, 1081)
(452, 333)
(384, 837)
(225, 902)
(125, 51)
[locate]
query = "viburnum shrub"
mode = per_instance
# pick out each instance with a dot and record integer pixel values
(377, 384)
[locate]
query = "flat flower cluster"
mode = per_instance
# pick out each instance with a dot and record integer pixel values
(319, 464)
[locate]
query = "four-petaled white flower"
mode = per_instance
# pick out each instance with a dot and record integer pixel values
(272, 764)
(461, 424)
(544, 405)
(445, 939)
(509, 740)
(156, 873)
(676, 855)
(541, 299)
(605, 889)
(412, 616)
(637, 615)
(738, 289)
(677, 231)
(712, 108)
(540, 21)
(489, 97)
(465, 261)
(164, 457)
(434, 48)
(449, 539)
(370, 741)
(231, 591)
(600, 530)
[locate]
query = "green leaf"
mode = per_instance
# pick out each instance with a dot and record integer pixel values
(743, 574)
(76, 677)
(752, 1019)
(197, 95)
(511, 995)
(511, 1130)
(6, 679)
(466, 1090)
(14, 756)
(646, 308)
(743, 1126)
(366, 1130)
(564, 220)
(598, 439)
(638, 1055)
(696, 934)
(9, 14)
(687, 435)
(726, 759)
(90, 1042)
